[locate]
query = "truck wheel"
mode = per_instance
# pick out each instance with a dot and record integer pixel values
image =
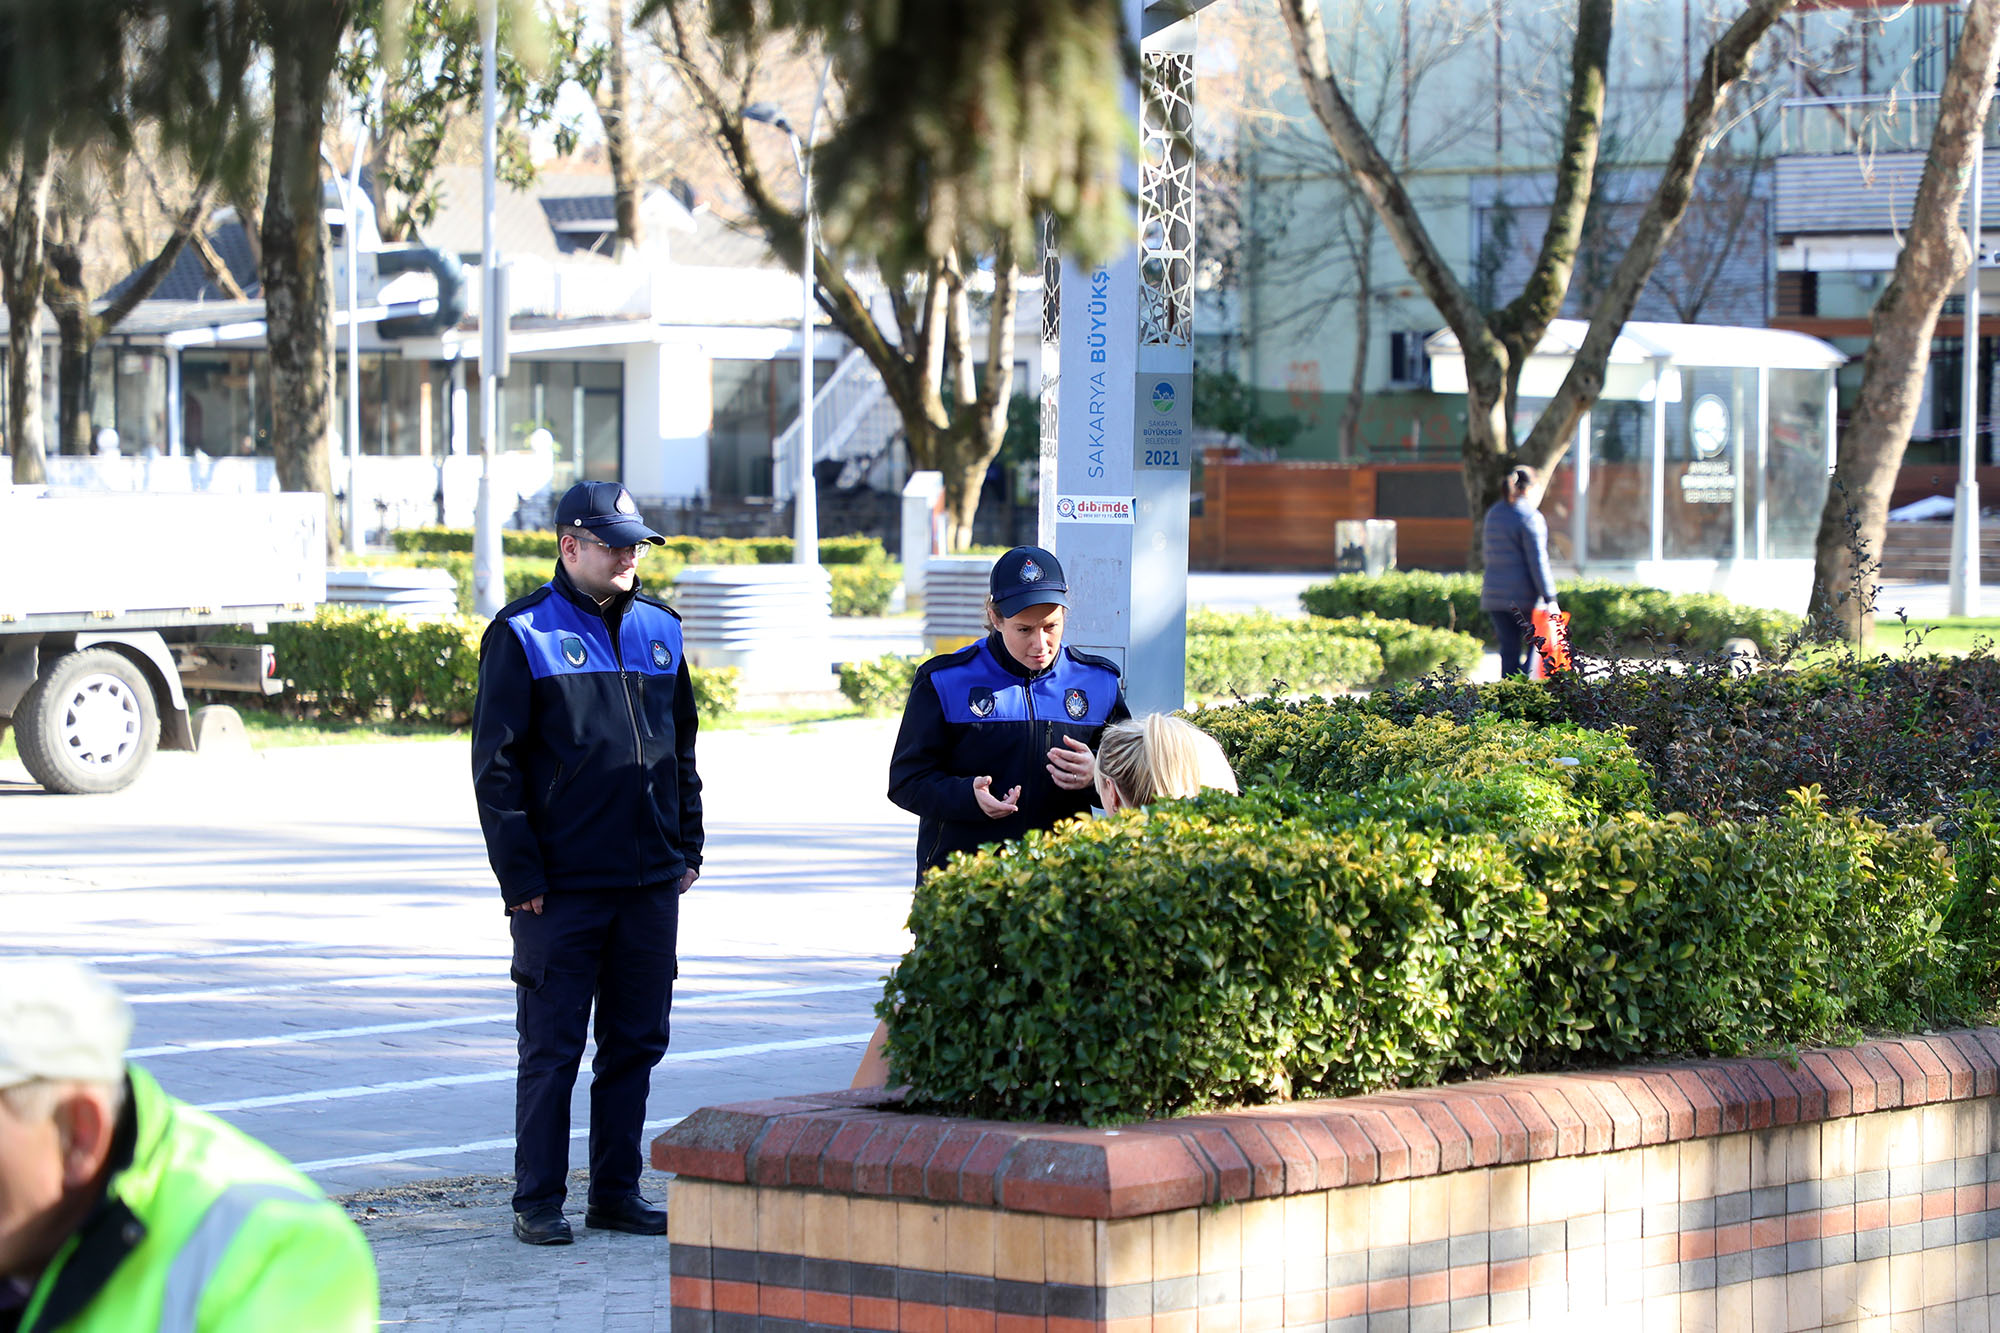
(88, 725)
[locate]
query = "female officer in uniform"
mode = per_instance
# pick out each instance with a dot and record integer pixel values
(997, 737)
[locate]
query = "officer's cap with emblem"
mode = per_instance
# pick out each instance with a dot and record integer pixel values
(60, 1020)
(605, 510)
(1027, 576)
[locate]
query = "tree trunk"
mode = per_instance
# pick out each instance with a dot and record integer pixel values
(305, 38)
(21, 269)
(1364, 309)
(615, 115)
(74, 431)
(1934, 258)
(1494, 346)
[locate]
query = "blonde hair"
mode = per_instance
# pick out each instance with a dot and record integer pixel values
(1161, 755)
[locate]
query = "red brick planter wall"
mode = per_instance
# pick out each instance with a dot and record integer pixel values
(1854, 1184)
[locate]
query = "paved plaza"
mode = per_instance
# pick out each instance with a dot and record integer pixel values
(314, 950)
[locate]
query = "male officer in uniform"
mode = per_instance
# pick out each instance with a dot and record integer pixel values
(583, 763)
(997, 738)
(123, 1210)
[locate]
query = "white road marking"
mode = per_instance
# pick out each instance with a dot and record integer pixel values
(454, 1150)
(111, 959)
(483, 969)
(500, 1075)
(471, 1020)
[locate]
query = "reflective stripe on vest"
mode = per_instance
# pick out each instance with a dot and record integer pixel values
(203, 1252)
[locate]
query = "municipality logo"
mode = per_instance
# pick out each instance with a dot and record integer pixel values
(980, 701)
(662, 657)
(1076, 703)
(1030, 571)
(572, 650)
(1163, 397)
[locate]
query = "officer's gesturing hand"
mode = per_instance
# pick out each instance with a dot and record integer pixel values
(1072, 766)
(995, 807)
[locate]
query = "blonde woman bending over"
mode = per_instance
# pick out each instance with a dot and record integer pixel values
(1145, 759)
(1139, 761)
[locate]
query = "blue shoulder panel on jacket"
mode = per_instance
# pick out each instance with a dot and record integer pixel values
(976, 688)
(560, 639)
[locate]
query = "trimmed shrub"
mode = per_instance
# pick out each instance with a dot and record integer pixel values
(863, 589)
(1203, 954)
(1220, 666)
(879, 687)
(1603, 615)
(715, 691)
(1338, 746)
(1407, 650)
(362, 664)
(1898, 739)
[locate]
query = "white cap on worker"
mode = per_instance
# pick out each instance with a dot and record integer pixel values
(60, 1020)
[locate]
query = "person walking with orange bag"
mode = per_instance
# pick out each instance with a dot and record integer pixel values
(1518, 581)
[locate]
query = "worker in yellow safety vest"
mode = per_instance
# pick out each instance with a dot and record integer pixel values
(123, 1210)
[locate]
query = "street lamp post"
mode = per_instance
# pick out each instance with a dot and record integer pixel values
(805, 497)
(1963, 590)
(488, 584)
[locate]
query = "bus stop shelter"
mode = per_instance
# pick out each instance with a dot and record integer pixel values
(1703, 466)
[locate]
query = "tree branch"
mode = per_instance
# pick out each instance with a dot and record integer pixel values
(1721, 67)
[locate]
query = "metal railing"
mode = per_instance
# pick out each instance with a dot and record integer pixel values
(854, 420)
(1899, 122)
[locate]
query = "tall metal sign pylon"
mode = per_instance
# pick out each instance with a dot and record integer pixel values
(1117, 390)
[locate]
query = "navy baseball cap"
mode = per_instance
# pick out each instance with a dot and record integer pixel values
(1027, 576)
(606, 511)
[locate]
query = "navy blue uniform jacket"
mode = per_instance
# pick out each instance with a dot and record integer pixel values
(583, 744)
(977, 712)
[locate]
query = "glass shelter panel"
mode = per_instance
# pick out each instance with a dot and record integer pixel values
(226, 403)
(1711, 447)
(1795, 476)
(1619, 519)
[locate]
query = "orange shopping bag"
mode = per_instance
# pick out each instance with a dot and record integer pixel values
(1550, 651)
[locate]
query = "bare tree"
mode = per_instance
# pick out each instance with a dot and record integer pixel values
(23, 263)
(70, 286)
(614, 110)
(951, 394)
(1497, 342)
(1933, 259)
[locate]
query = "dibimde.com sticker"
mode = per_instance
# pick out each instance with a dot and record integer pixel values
(1094, 508)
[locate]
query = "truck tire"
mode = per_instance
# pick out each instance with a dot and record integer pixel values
(88, 724)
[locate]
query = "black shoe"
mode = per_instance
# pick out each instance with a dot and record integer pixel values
(630, 1214)
(543, 1224)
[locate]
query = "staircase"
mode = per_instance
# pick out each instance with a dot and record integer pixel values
(854, 421)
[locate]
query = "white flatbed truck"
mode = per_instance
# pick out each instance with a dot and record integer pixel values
(110, 608)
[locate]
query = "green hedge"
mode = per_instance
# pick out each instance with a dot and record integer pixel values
(687, 550)
(1330, 746)
(1203, 954)
(879, 687)
(1601, 612)
(864, 589)
(1897, 738)
(858, 589)
(1405, 651)
(363, 664)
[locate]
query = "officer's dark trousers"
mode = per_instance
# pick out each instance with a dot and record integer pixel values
(615, 947)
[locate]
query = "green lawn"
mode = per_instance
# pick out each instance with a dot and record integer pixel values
(1954, 638)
